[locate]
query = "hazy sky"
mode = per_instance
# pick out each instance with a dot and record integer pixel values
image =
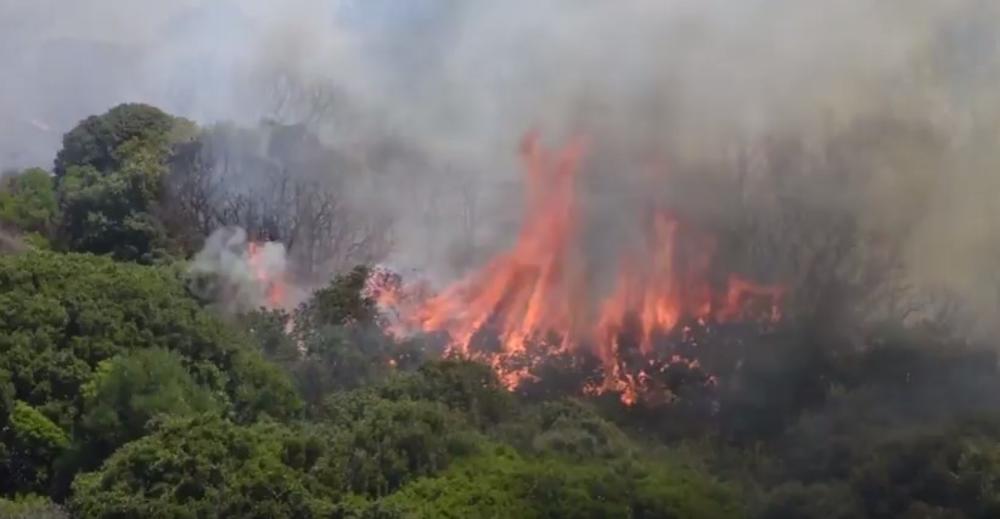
(451, 68)
(692, 80)
(64, 60)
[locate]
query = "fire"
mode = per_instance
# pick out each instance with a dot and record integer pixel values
(534, 300)
(269, 278)
(527, 289)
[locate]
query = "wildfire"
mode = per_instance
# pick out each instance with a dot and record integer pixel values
(534, 300)
(267, 276)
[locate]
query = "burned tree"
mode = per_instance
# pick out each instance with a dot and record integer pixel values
(280, 183)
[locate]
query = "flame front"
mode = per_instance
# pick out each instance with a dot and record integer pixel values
(534, 300)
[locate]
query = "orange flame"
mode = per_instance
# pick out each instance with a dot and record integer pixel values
(272, 283)
(533, 297)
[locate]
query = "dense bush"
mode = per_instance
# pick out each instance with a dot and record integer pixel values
(204, 467)
(128, 391)
(504, 484)
(98, 348)
(110, 182)
(28, 204)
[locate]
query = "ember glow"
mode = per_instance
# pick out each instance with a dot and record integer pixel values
(536, 300)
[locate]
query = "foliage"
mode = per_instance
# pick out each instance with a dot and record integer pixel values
(112, 368)
(379, 444)
(109, 214)
(268, 329)
(570, 429)
(504, 484)
(341, 302)
(62, 315)
(943, 474)
(97, 140)
(28, 202)
(336, 341)
(122, 396)
(260, 389)
(110, 180)
(6, 396)
(204, 467)
(467, 387)
(127, 391)
(31, 507)
(340, 357)
(31, 443)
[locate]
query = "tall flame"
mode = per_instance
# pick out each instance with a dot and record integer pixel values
(533, 299)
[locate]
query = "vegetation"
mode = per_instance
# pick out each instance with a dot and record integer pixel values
(110, 175)
(28, 203)
(123, 395)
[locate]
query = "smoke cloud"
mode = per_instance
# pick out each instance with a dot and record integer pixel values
(238, 274)
(882, 111)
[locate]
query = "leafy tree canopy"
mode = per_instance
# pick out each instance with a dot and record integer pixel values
(28, 202)
(63, 315)
(101, 141)
(128, 390)
(110, 175)
(30, 444)
(504, 484)
(343, 301)
(205, 467)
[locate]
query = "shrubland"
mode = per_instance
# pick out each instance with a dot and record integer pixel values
(123, 394)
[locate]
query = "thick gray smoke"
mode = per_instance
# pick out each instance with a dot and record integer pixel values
(885, 111)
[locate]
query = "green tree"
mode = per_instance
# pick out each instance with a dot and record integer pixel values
(260, 389)
(97, 141)
(31, 507)
(28, 203)
(501, 483)
(62, 315)
(467, 387)
(343, 345)
(31, 444)
(342, 302)
(206, 467)
(127, 391)
(342, 357)
(110, 176)
(109, 214)
(6, 396)
(377, 444)
(944, 474)
(570, 429)
(268, 328)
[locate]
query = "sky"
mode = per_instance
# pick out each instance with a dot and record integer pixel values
(65, 60)
(463, 80)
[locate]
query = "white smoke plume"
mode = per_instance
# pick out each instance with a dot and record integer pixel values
(238, 275)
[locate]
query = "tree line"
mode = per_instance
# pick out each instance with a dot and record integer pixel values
(123, 395)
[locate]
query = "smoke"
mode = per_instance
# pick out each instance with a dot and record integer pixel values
(240, 275)
(883, 112)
